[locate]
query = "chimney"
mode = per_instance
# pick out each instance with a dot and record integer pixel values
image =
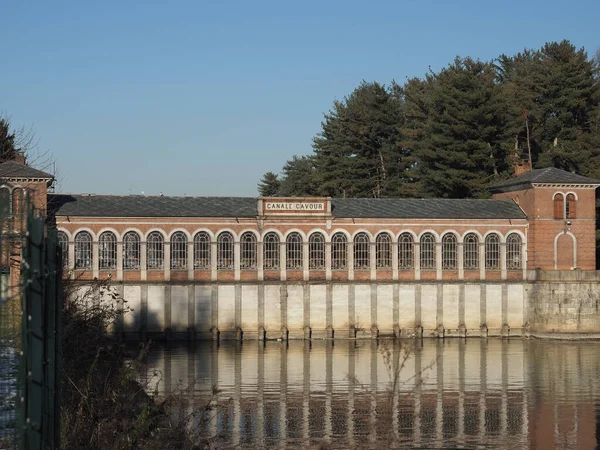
(521, 167)
(20, 158)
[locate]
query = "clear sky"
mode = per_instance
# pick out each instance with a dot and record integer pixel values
(202, 98)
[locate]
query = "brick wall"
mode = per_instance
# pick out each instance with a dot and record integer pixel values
(544, 229)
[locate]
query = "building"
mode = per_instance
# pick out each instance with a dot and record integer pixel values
(255, 266)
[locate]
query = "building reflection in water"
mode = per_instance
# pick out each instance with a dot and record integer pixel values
(498, 393)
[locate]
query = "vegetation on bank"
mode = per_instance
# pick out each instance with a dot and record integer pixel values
(455, 131)
(103, 403)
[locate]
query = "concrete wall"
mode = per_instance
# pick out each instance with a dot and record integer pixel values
(548, 303)
(298, 310)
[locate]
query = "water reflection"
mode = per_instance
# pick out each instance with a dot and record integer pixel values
(493, 393)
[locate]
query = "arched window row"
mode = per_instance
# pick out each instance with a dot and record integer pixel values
(476, 251)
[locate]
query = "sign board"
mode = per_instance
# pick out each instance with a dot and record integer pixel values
(294, 206)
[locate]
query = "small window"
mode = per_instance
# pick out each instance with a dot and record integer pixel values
(558, 206)
(406, 251)
(107, 251)
(294, 260)
(362, 251)
(339, 252)
(83, 251)
(316, 251)
(179, 250)
(449, 261)
(428, 252)
(131, 251)
(202, 251)
(492, 252)
(471, 251)
(248, 251)
(63, 243)
(570, 206)
(271, 251)
(383, 250)
(225, 251)
(155, 251)
(513, 252)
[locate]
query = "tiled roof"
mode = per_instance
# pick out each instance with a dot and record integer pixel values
(426, 208)
(147, 206)
(12, 169)
(150, 206)
(547, 175)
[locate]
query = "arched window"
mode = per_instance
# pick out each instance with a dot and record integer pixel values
(83, 251)
(383, 250)
(107, 251)
(202, 251)
(471, 251)
(449, 261)
(570, 207)
(362, 251)
(131, 251)
(271, 251)
(339, 252)
(316, 251)
(293, 250)
(179, 251)
(513, 252)
(63, 243)
(492, 251)
(406, 251)
(225, 251)
(428, 251)
(155, 251)
(248, 251)
(559, 206)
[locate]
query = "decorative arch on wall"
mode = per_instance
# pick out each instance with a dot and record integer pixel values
(565, 258)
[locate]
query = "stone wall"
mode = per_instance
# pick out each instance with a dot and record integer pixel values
(563, 302)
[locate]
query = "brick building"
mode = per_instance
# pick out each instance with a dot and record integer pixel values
(306, 267)
(540, 219)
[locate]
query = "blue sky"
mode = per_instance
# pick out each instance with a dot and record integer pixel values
(202, 98)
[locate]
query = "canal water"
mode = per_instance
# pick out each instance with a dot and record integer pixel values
(474, 393)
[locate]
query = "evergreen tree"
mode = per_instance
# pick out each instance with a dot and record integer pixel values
(460, 130)
(554, 95)
(269, 185)
(8, 145)
(355, 152)
(298, 177)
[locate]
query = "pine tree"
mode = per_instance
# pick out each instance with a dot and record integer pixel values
(355, 152)
(298, 177)
(461, 140)
(554, 94)
(8, 145)
(269, 185)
